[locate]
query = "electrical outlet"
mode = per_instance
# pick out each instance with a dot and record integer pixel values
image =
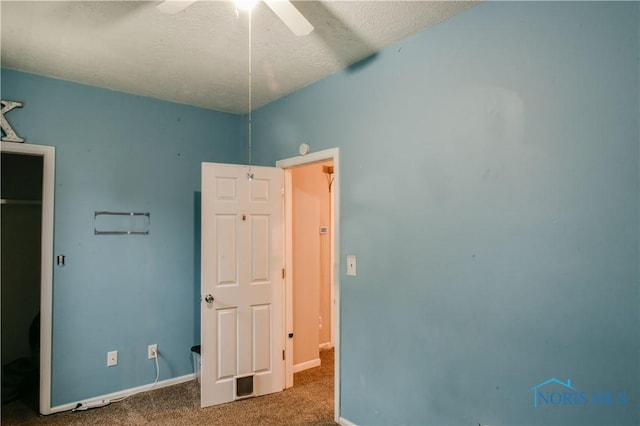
(153, 351)
(112, 358)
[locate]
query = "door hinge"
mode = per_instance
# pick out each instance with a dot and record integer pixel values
(283, 273)
(283, 354)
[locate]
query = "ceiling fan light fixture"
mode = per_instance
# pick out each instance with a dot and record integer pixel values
(171, 7)
(245, 5)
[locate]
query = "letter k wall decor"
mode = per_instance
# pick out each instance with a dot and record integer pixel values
(10, 135)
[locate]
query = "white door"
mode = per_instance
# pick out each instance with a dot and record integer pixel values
(242, 285)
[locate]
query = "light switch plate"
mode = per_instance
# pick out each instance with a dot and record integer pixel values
(351, 265)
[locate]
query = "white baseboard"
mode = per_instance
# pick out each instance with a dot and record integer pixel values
(325, 345)
(345, 422)
(306, 365)
(128, 392)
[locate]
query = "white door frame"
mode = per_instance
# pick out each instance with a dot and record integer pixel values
(320, 156)
(46, 259)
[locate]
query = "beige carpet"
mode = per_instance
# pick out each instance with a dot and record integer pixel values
(309, 402)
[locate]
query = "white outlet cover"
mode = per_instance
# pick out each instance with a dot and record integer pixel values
(152, 351)
(112, 358)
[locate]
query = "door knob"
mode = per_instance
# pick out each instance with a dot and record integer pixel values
(208, 298)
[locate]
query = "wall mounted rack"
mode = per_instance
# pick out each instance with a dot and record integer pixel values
(121, 223)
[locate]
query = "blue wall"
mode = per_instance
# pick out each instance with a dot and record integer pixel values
(119, 152)
(490, 191)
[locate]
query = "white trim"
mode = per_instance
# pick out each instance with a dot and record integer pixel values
(345, 422)
(314, 157)
(334, 155)
(306, 365)
(325, 345)
(332, 273)
(46, 260)
(288, 281)
(127, 393)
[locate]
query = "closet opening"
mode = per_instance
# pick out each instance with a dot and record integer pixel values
(21, 248)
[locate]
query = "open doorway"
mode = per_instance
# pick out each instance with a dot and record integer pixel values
(229, 187)
(21, 220)
(312, 264)
(312, 283)
(27, 275)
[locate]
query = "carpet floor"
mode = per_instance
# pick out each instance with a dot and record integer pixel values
(308, 402)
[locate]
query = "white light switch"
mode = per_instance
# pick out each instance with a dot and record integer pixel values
(351, 265)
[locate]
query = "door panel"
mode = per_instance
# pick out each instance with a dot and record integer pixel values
(260, 249)
(261, 338)
(242, 255)
(226, 249)
(227, 332)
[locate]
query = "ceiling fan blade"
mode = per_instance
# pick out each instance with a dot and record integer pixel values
(291, 16)
(174, 6)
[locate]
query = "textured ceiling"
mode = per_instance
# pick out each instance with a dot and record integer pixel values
(200, 56)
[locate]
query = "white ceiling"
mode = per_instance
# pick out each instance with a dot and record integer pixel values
(200, 56)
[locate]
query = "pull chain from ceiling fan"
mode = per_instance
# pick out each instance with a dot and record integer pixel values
(248, 5)
(250, 173)
(250, 90)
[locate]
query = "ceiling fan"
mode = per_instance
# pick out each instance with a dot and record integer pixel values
(284, 9)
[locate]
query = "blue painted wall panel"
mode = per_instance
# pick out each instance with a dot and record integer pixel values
(490, 190)
(119, 152)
